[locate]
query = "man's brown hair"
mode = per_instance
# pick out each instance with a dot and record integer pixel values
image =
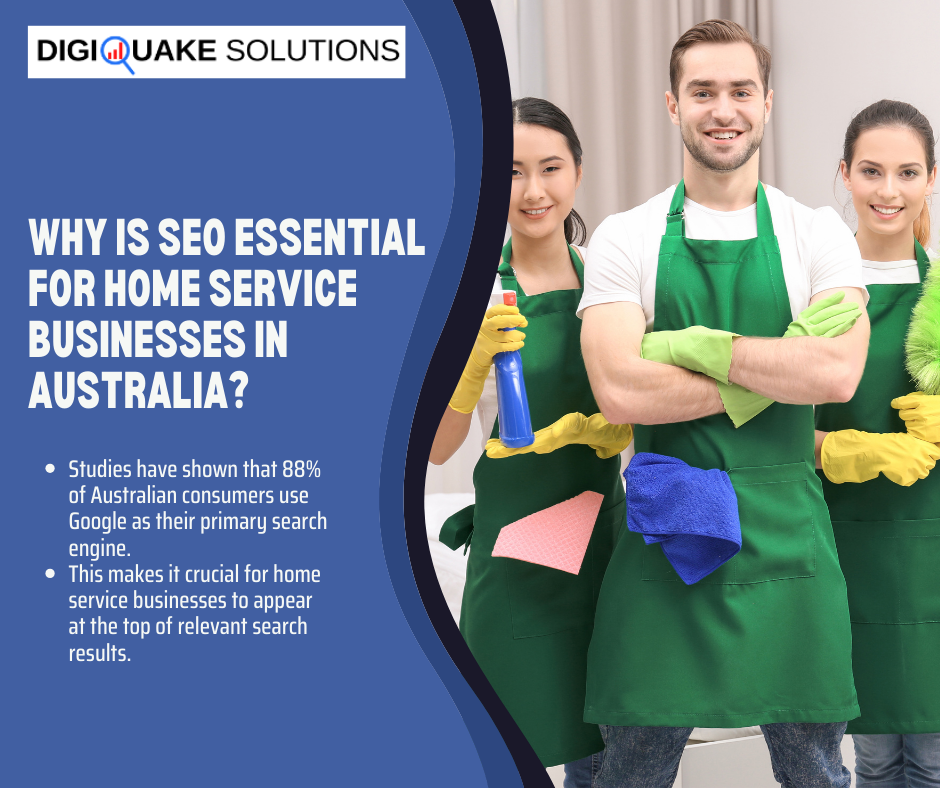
(716, 31)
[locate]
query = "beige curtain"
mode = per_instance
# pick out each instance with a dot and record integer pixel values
(606, 63)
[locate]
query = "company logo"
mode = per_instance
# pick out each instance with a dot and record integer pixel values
(118, 53)
(358, 52)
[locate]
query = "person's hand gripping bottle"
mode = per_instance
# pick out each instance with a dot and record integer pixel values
(515, 425)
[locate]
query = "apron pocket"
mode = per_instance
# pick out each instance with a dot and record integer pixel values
(890, 570)
(544, 601)
(778, 530)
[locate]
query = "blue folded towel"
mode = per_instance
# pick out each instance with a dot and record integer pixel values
(692, 513)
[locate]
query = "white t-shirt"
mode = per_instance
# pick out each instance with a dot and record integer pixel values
(486, 407)
(817, 250)
(898, 272)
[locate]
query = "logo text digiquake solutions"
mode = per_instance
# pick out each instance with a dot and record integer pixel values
(216, 52)
(116, 50)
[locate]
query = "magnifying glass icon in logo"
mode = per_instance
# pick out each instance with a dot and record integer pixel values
(117, 53)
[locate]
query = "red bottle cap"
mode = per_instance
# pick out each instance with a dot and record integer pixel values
(509, 297)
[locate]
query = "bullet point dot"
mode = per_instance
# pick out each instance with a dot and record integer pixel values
(50, 468)
(50, 573)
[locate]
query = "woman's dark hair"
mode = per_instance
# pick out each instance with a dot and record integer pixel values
(896, 115)
(539, 112)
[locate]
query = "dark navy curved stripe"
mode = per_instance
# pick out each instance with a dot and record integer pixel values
(478, 102)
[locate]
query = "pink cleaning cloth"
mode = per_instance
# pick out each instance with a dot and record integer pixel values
(557, 536)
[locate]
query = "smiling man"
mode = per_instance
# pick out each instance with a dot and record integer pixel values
(765, 639)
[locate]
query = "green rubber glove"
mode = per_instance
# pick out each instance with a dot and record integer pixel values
(741, 404)
(697, 349)
(826, 318)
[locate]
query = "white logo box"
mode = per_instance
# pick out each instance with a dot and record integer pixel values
(217, 52)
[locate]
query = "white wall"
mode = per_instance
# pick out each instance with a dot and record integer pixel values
(832, 58)
(507, 17)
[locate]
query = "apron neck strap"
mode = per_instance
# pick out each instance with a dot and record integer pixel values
(675, 219)
(923, 262)
(765, 225)
(505, 270)
(578, 265)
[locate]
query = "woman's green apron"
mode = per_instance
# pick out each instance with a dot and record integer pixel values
(766, 637)
(889, 542)
(529, 626)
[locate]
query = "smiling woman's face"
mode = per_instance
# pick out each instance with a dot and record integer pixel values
(544, 181)
(889, 180)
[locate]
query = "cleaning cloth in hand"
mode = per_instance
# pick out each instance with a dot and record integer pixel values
(557, 536)
(692, 513)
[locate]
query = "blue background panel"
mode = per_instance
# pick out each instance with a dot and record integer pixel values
(357, 699)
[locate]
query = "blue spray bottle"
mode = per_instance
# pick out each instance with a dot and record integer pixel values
(515, 425)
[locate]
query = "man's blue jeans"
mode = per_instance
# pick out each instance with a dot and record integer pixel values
(583, 773)
(897, 761)
(804, 755)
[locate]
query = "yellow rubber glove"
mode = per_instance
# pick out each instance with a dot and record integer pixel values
(921, 414)
(854, 456)
(605, 438)
(490, 341)
(828, 317)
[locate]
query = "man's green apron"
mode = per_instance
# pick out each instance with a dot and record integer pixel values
(766, 637)
(889, 542)
(529, 626)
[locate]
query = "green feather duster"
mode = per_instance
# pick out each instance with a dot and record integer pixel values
(923, 336)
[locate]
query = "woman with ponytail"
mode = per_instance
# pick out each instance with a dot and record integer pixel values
(528, 625)
(876, 453)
